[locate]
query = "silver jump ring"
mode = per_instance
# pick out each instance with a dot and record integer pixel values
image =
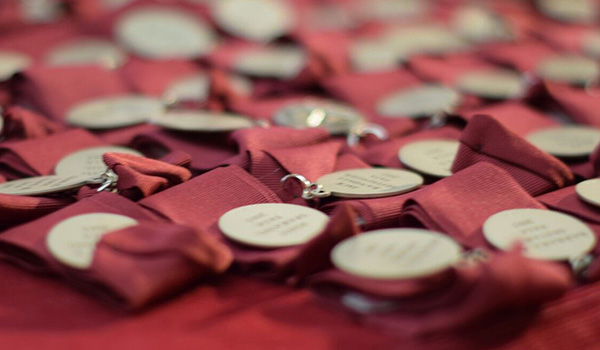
(580, 265)
(310, 190)
(110, 179)
(354, 137)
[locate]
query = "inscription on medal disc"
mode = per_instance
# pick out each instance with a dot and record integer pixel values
(396, 253)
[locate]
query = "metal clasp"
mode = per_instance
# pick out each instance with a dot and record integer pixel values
(437, 120)
(310, 190)
(580, 264)
(109, 181)
(475, 256)
(354, 137)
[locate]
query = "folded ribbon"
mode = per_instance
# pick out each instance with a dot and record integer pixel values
(486, 140)
(508, 285)
(38, 156)
(298, 262)
(142, 177)
(22, 123)
(459, 205)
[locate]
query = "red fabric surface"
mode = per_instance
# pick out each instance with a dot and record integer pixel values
(152, 78)
(595, 160)
(448, 70)
(146, 176)
(200, 206)
(225, 58)
(29, 239)
(447, 206)
(257, 139)
(140, 264)
(19, 209)
(386, 153)
(174, 262)
(36, 41)
(364, 91)
(459, 302)
(207, 150)
(311, 161)
(523, 56)
(21, 123)
(299, 262)
(56, 90)
(514, 116)
(131, 267)
(334, 58)
(486, 140)
(564, 37)
(38, 156)
(375, 213)
(566, 200)
(581, 105)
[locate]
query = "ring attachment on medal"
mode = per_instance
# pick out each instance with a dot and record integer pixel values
(337, 118)
(358, 183)
(54, 184)
(544, 234)
(363, 130)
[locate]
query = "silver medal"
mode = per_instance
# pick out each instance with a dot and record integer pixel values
(336, 117)
(359, 183)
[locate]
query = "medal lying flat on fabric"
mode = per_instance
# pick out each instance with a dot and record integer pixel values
(572, 11)
(391, 9)
(336, 117)
(359, 183)
(87, 51)
(424, 39)
(545, 234)
(589, 191)
(52, 184)
(192, 88)
(114, 4)
(396, 253)
(571, 69)
(12, 62)
(160, 32)
(278, 62)
(272, 225)
(115, 112)
(196, 88)
(566, 141)
(203, 121)
(373, 55)
(73, 241)
(430, 157)
(477, 24)
(591, 45)
(41, 11)
(89, 161)
(257, 20)
(422, 101)
(241, 85)
(329, 16)
(494, 84)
